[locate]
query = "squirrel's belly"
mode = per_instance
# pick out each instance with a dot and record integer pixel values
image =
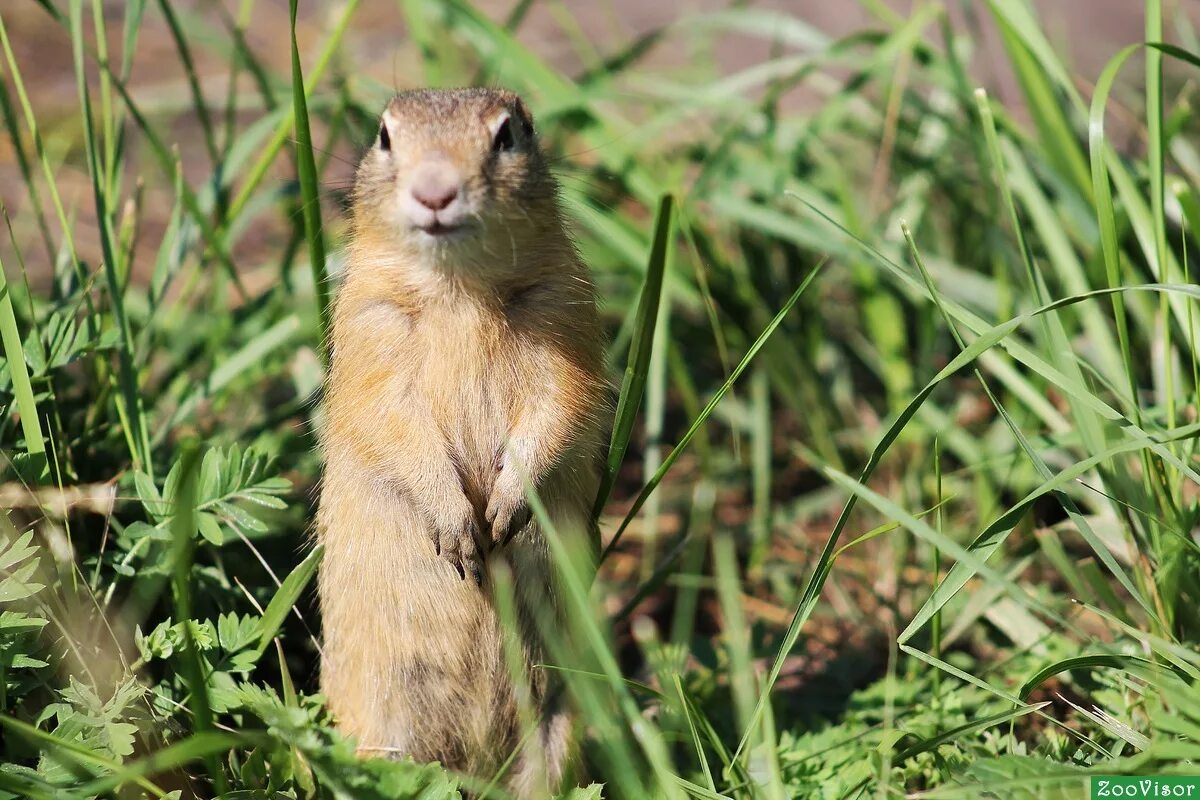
(470, 404)
(413, 658)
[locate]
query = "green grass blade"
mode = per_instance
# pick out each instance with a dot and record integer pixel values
(576, 599)
(945, 544)
(1088, 662)
(310, 190)
(1154, 157)
(23, 165)
(169, 163)
(270, 151)
(684, 440)
(285, 597)
(1042, 95)
(130, 407)
(1109, 170)
(189, 69)
(14, 355)
(974, 726)
(686, 709)
(640, 349)
(183, 532)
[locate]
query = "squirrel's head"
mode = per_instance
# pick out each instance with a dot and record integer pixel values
(456, 179)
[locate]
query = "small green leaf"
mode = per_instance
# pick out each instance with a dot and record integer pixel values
(147, 492)
(289, 592)
(210, 528)
(210, 476)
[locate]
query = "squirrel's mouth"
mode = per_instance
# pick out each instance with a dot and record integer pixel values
(440, 229)
(437, 231)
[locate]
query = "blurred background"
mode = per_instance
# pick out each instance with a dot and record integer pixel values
(571, 37)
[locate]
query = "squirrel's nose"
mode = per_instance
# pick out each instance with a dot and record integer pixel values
(436, 185)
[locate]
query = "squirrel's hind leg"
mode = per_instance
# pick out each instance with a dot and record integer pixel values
(547, 759)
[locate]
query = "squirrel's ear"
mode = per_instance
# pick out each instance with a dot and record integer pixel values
(524, 119)
(503, 138)
(387, 125)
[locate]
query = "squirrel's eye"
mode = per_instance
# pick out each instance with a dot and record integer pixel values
(385, 141)
(503, 139)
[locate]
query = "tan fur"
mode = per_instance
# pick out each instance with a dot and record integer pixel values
(457, 367)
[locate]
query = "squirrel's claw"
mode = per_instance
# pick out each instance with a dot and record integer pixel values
(461, 549)
(505, 520)
(507, 510)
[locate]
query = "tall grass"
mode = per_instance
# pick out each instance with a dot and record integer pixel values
(902, 490)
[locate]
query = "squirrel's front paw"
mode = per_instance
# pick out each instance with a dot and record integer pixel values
(458, 542)
(507, 510)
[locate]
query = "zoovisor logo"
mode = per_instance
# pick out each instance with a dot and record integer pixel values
(1104, 786)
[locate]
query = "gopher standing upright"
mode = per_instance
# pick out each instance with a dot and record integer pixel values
(466, 360)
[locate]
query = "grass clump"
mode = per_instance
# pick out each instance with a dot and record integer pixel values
(903, 489)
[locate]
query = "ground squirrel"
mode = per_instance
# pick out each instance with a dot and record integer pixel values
(466, 359)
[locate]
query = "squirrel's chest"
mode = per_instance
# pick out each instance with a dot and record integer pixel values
(456, 373)
(465, 376)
